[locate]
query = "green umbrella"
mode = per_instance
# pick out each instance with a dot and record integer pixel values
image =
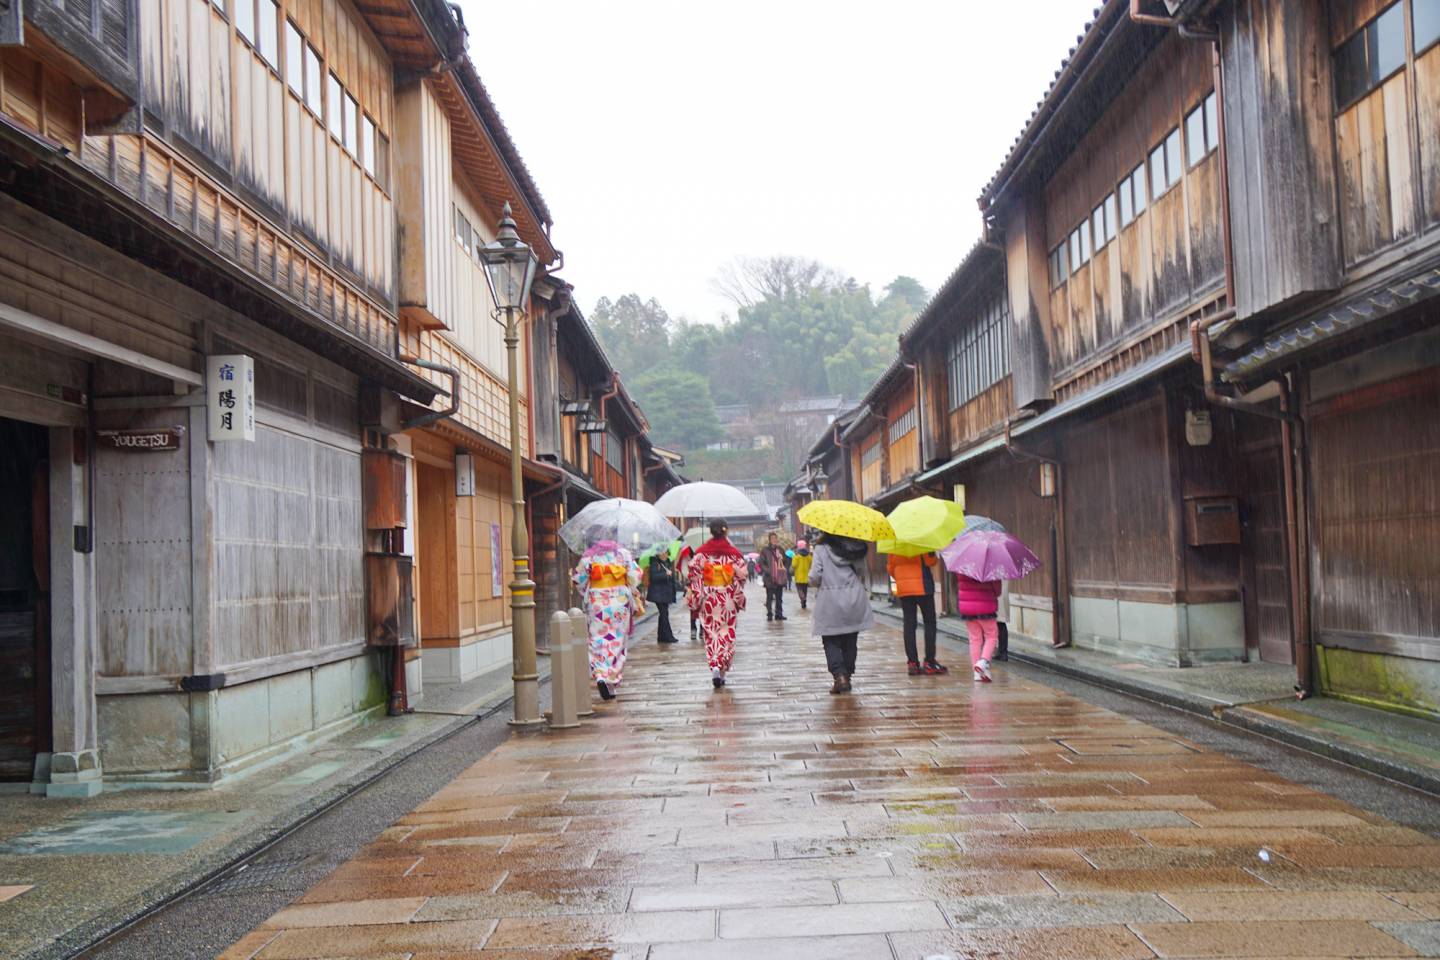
(673, 547)
(923, 525)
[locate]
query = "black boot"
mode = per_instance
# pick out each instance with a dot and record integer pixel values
(605, 692)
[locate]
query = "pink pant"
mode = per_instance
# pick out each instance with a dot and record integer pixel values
(984, 637)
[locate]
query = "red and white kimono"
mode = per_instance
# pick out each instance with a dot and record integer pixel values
(717, 595)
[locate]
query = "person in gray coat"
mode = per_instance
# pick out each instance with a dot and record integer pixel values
(841, 585)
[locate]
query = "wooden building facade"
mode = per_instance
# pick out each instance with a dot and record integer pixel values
(183, 181)
(1194, 360)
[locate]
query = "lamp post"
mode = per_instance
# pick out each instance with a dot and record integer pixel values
(509, 271)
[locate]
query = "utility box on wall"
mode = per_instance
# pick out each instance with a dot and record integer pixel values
(1212, 520)
(386, 506)
(390, 600)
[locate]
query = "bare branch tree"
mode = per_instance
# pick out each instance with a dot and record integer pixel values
(747, 280)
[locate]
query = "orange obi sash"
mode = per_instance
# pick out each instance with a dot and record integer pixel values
(719, 575)
(605, 575)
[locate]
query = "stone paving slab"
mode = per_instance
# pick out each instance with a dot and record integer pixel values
(917, 817)
(86, 866)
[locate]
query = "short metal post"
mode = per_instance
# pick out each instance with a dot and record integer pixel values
(580, 650)
(562, 686)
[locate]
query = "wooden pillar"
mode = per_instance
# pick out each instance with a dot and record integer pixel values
(75, 763)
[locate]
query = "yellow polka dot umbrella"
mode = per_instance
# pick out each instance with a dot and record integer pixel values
(845, 518)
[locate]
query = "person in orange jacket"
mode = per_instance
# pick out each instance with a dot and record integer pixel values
(915, 586)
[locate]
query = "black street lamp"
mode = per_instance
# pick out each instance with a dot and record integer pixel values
(509, 271)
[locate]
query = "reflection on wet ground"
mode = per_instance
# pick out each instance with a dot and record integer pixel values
(917, 817)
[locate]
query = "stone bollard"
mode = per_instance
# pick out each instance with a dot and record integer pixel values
(562, 665)
(580, 651)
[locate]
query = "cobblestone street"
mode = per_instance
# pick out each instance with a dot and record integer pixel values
(922, 817)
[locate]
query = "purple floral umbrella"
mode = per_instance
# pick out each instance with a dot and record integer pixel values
(989, 555)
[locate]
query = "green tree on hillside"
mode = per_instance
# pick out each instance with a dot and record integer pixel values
(678, 405)
(635, 333)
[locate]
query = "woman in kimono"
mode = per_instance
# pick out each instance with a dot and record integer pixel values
(717, 595)
(609, 578)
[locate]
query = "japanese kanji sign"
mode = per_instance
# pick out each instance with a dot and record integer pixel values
(230, 396)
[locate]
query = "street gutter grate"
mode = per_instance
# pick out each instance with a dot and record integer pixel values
(254, 876)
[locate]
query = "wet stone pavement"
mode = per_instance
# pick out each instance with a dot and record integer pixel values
(915, 818)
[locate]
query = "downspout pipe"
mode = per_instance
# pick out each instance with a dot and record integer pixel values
(425, 419)
(1060, 567)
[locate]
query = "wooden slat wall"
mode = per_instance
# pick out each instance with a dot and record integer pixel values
(469, 314)
(1376, 572)
(872, 477)
(982, 414)
(484, 398)
(1164, 260)
(1427, 95)
(1376, 182)
(1279, 137)
(999, 487)
(39, 97)
(217, 95)
(288, 547)
(143, 584)
(1119, 504)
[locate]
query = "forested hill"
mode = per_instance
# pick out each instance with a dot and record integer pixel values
(800, 330)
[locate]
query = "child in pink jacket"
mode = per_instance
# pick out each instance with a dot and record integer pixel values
(979, 601)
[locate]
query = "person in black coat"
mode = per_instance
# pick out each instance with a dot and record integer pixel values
(660, 591)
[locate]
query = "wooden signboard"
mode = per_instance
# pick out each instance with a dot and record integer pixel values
(148, 440)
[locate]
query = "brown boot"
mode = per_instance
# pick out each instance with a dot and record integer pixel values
(840, 684)
(845, 682)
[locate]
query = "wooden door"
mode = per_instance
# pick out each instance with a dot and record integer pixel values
(24, 612)
(1265, 560)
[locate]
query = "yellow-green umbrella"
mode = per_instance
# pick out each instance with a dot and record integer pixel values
(845, 518)
(923, 525)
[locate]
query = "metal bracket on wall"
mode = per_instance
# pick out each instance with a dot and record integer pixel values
(202, 682)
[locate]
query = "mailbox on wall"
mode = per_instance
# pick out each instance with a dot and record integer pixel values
(1212, 520)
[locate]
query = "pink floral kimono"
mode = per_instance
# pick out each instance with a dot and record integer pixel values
(717, 595)
(610, 580)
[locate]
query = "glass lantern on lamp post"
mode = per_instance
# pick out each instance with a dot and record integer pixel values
(509, 271)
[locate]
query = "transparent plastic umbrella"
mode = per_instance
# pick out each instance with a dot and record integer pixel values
(705, 499)
(631, 523)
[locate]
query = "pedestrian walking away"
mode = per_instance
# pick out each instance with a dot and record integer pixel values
(800, 570)
(609, 578)
(842, 603)
(776, 576)
(915, 587)
(682, 578)
(660, 590)
(717, 595)
(979, 602)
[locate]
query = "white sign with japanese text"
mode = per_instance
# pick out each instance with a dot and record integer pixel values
(230, 396)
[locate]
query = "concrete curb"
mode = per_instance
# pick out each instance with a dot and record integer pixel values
(256, 841)
(1238, 716)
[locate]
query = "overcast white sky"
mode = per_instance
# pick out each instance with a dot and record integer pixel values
(670, 136)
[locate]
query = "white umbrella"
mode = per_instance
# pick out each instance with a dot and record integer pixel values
(705, 499)
(630, 523)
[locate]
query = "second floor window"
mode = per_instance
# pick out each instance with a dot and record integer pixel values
(1202, 132)
(1059, 265)
(1165, 164)
(902, 425)
(1102, 221)
(615, 451)
(979, 356)
(1370, 56)
(1132, 195)
(1080, 246)
(870, 455)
